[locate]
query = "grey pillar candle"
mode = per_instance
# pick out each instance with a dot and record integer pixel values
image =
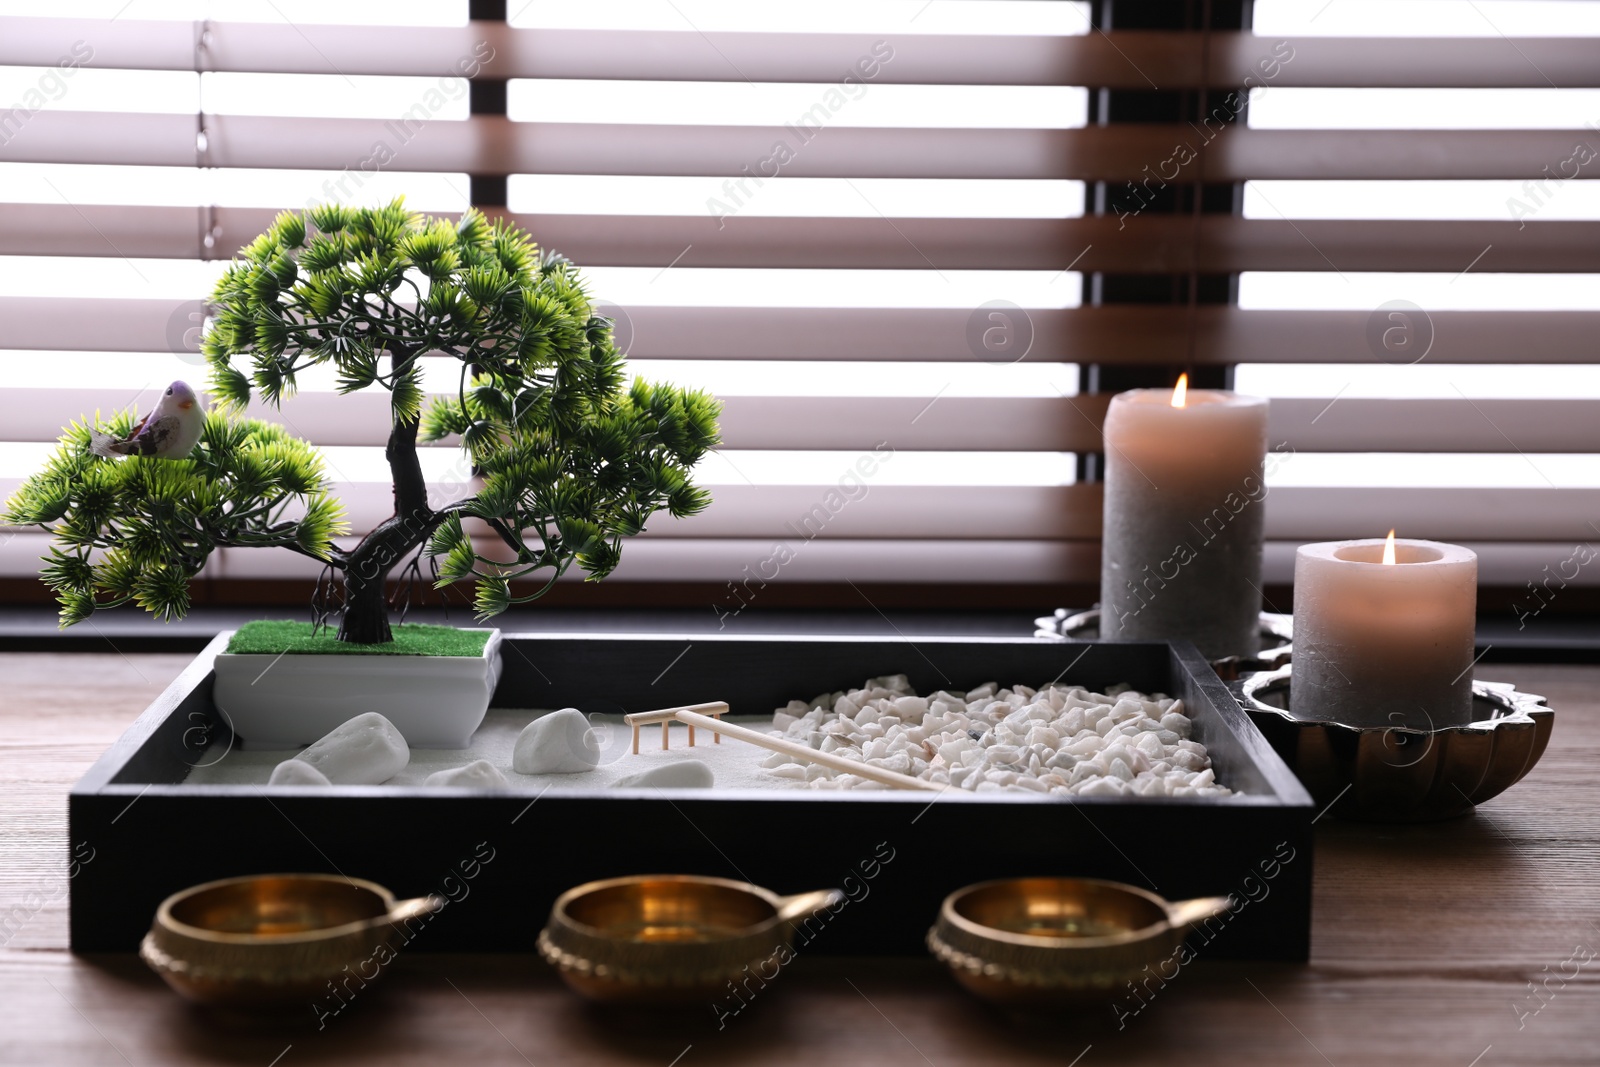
(1184, 494)
(1384, 639)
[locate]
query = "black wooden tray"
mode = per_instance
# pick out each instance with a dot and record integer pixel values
(502, 858)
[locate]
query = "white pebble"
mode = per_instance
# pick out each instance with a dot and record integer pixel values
(365, 750)
(479, 774)
(895, 683)
(1127, 708)
(1043, 735)
(1150, 745)
(897, 761)
(1002, 754)
(1087, 746)
(557, 743)
(1063, 761)
(910, 707)
(1082, 773)
(297, 772)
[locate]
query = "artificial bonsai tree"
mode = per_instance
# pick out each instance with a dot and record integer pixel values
(568, 461)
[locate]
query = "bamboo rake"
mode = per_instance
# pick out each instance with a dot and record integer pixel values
(666, 716)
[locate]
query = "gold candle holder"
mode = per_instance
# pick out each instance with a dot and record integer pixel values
(1053, 941)
(669, 938)
(271, 939)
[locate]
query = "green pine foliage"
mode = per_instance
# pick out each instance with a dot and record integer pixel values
(570, 461)
(137, 529)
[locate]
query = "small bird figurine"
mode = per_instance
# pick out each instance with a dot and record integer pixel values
(169, 432)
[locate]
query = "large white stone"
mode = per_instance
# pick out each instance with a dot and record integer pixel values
(680, 774)
(297, 772)
(557, 743)
(479, 774)
(365, 750)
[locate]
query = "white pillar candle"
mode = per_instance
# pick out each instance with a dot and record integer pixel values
(1184, 491)
(1384, 644)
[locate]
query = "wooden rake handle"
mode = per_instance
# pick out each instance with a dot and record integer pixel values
(804, 752)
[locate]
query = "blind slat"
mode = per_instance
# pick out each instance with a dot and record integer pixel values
(1115, 60)
(1111, 335)
(953, 423)
(1072, 512)
(495, 145)
(1149, 244)
(1062, 424)
(888, 561)
(802, 513)
(712, 560)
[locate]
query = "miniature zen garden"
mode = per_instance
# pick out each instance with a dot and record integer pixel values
(568, 462)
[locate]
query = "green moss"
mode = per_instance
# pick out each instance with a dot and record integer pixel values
(269, 637)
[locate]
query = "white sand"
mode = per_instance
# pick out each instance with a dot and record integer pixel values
(736, 765)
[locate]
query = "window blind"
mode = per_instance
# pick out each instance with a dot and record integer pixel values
(866, 227)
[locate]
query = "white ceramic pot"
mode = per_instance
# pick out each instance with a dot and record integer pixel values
(290, 701)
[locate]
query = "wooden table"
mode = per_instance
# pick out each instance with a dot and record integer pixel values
(1447, 944)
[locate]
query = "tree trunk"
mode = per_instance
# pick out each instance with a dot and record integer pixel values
(366, 614)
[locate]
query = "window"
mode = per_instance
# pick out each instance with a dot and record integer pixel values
(868, 225)
(1488, 436)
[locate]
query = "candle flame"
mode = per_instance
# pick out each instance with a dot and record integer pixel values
(1388, 550)
(1180, 392)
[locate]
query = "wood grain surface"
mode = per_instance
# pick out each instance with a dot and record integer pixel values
(1457, 944)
